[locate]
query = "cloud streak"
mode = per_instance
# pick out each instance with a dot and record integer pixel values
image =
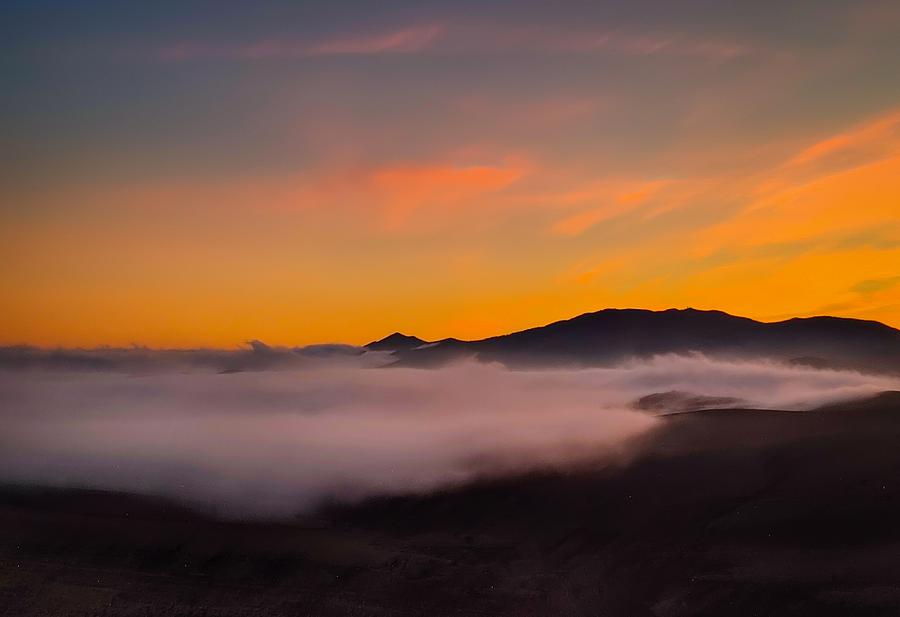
(609, 199)
(880, 133)
(401, 41)
(458, 37)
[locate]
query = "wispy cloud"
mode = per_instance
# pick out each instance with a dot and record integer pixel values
(866, 299)
(459, 37)
(882, 132)
(869, 286)
(584, 41)
(400, 41)
(647, 199)
(606, 200)
(403, 191)
(808, 195)
(406, 40)
(407, 196)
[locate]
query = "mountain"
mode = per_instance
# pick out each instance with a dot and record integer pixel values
(396, 342)
(611, 335)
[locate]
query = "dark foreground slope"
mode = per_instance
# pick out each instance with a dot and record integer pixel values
(720, 513)
(611, 335)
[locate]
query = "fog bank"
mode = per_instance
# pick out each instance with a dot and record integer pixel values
(271, 443)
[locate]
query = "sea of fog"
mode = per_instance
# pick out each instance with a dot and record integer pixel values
(280, 440)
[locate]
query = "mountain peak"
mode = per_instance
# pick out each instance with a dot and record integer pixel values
(396, 342)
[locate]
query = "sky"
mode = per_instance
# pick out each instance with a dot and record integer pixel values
(184, 174)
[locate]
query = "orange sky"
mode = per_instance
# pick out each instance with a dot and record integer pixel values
(424, 176)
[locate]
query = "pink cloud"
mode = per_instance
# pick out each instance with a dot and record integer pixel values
(397, 197)
(871, 133)
(404, 190)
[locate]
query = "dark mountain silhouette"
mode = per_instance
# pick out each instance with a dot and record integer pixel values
(396, 342)
(611, 335)
(675, 401)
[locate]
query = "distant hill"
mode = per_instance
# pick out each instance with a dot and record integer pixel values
(396, 342)
(611, 335)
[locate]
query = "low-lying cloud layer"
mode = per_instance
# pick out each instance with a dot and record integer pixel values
(253, 356)
(272, 443)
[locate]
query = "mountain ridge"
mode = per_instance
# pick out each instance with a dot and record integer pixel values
(602, 337)
(395, 342)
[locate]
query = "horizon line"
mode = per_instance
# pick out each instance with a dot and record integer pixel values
(248, 344)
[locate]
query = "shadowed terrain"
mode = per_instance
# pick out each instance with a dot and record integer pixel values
(611, 335)
(726, 512)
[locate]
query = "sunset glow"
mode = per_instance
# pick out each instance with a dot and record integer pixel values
(300, 175)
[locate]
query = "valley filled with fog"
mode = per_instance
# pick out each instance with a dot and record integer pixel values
(289, 435)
